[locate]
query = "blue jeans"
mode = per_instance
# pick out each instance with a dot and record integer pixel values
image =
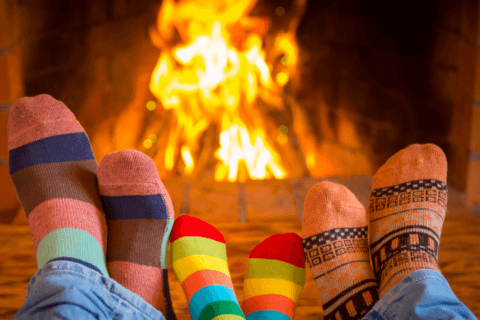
(69, 290)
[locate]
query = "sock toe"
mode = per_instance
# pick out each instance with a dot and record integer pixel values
(199, 259)
(42, 116)
(275, 277)
(140, 216)
(335, 246)
(283, 247)
(415, 162)
(54, 172)
(331, 205)
(188, 226)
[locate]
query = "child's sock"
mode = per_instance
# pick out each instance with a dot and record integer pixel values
(275, 278)
(335, 245)
(140, 217)
(199, 259)
(407, 209)
(54, 173)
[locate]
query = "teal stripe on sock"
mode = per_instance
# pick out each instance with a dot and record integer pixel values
(207, 295)
(71, 242)
(164, 245)
(267, 315)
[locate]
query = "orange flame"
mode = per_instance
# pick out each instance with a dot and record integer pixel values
(207, 80)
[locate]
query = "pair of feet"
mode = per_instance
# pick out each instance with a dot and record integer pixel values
(70, 204)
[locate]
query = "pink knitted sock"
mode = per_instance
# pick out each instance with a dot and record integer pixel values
(54, 173)
(140, 217)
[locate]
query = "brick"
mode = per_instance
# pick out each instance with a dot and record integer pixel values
(10, 24)
(475, 130)
(351, 30)
(476, 82)
(459, 143)
(469, 12)
(20, 218)
(449, 14)
(51, 83)
(466, 69)
(325, 123)
(446, 48)
(269, 199)
(444, 84)
(8, 196)
(347, 130)
(59, 50)
(11, 72)
(473, 187)
(3, 135)
(175, 189)
(128, 8)
(334, 159)
(45, 16)
(97, 12)
(213, 201)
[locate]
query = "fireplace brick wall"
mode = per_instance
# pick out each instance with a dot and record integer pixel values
(11, 89)
(472, 41)
(353, 81)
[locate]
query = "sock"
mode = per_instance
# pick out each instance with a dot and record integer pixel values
(335, 245)
(275, 278)
(140, 216)
(407, 209)
(54, 173)
(199, 260)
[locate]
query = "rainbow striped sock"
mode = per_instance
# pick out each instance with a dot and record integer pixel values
(140, 217)
(199, 260)
(275, 278)
(54, 172)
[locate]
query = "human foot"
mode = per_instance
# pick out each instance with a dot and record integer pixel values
(406, 211)
(54, 172)
(275, 278)
(335, 245)
(140, 216)
(199, 259)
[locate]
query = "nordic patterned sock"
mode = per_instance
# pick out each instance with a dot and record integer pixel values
(54, 173)
(199, 260)
(406, 211)
(275, 278)
(140, 216)
(335, 245)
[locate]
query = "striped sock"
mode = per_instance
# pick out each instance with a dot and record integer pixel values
(336, 247)
(54, 173)
(140, 217)
(275, 278)
(199, 259)
(407, 208)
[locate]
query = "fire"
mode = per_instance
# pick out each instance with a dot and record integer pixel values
(216, 75)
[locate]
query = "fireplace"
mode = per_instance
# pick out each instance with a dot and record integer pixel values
(351, 83)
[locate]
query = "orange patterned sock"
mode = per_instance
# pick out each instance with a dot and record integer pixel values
(335, 246)
(406, 211)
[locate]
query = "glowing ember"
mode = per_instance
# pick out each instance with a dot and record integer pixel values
(206, 79)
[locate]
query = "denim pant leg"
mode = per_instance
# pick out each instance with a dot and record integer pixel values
(69, 290)
(424, 294)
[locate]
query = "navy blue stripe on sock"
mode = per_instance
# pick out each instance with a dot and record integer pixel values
(60, 148)
(82, 262)
(134, 207)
